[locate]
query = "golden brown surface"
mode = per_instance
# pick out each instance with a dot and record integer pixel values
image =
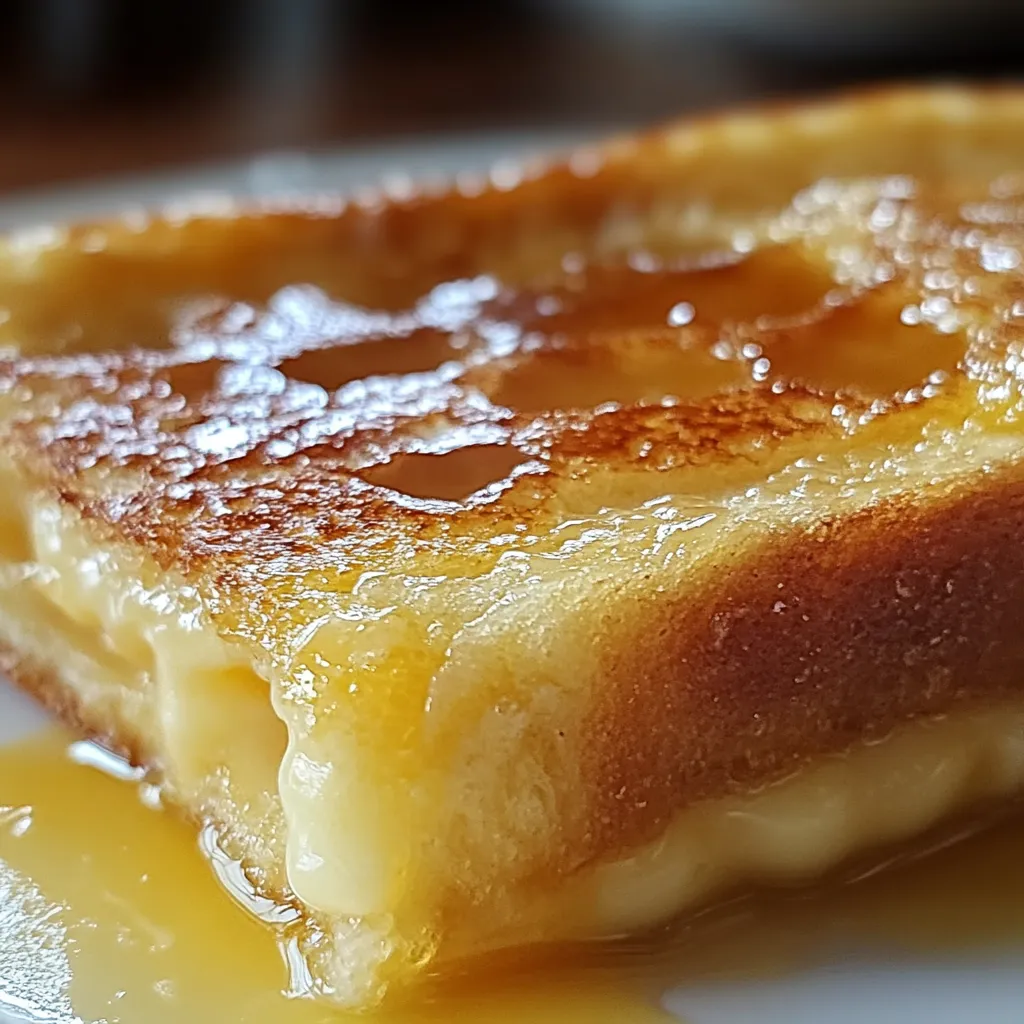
(584, 493)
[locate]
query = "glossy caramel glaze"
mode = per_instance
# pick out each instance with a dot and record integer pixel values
(579, 495)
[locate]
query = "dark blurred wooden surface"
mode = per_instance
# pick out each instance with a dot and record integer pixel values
(129, 87)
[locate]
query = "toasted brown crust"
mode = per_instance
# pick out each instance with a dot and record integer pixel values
(836, 634)
(156, 397)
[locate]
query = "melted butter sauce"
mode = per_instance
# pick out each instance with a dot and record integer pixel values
(108, 912)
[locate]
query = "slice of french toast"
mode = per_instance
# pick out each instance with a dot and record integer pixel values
(531, 561)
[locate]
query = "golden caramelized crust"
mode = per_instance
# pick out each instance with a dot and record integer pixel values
(833, 635)
(556, 503)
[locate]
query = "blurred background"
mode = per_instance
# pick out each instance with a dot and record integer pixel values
(111, 87)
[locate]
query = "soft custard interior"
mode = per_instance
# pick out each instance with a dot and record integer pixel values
(135, 647)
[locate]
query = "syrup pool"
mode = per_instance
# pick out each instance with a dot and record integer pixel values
(109, 912)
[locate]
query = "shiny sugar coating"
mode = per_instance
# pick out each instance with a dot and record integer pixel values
(295, 349)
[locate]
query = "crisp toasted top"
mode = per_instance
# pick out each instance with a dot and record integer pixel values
(344, 386)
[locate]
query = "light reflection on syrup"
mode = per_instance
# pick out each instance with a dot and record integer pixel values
(109, 912)
(280, 372)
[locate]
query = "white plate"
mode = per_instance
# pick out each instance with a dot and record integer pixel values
(873, 986)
